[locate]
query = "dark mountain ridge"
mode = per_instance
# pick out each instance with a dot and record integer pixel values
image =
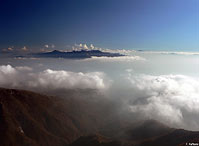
(28, 118)
(82, 54)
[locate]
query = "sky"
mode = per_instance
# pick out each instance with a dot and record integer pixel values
(114, 24)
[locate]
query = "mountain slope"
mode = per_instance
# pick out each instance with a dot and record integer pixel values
(31, 119)
(95, 140)
(43, 120)
(176, 137)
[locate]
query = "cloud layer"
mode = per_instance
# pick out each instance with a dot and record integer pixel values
(68, 80)
(121, 58)
(171, 99)
(24, 77)
(79, 47)
(170, 52)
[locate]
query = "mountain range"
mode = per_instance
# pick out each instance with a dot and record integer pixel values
(32, 119)
(81, 54)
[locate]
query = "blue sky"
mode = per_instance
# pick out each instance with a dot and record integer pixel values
(114, 24)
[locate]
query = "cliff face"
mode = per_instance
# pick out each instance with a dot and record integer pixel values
(32, 119)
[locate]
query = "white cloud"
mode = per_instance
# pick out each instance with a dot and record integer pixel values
(46, 46)
(24, 48)
(85, 47)
(112, 59)
(8, 49)
(168, 98)
(79, 47)
(121, 51)
(92, 46)
(68, 80)
(23, 77)
(23, 68)
(171, 52)
(7, 69)
(49, 46)
(8, 76)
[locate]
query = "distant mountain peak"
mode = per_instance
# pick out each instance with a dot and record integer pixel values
(56, 51)
(76, 54)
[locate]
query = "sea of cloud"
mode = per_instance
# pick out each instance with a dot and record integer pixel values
(156, 86)
(171, 99)
(23, 77)
(113, 59)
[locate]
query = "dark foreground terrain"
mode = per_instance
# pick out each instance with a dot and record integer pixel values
(31, 119)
